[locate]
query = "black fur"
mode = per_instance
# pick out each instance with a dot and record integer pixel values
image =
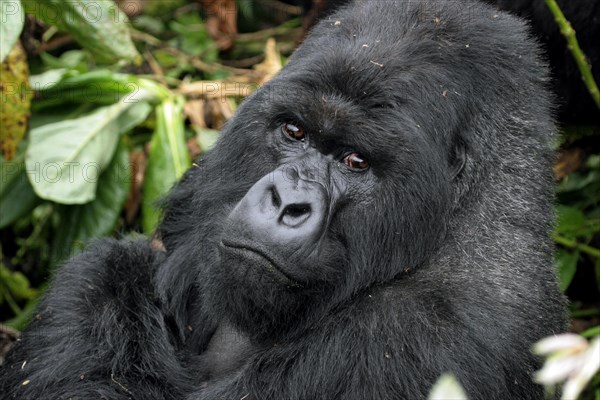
(435, 259)
(576, 103)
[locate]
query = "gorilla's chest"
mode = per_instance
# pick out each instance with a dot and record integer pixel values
(226, 353)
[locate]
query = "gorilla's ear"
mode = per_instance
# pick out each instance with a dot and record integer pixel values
(458, 157)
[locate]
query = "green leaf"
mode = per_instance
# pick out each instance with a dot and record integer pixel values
(65, 158)
(80, 223)
(16, 194)
(149, 24)
(593, 161)
(577, 181)
(77, 60)
(47, 79)
(16, 283)
(591, 332)
(57, 114)
(566, 265)
(193, 37)
(168, 159)
(100, 86)
(12, 18)
(570, 220)
(98, 26)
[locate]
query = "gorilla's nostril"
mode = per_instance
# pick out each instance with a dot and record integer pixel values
(275, 199)
(297, 210)
(295, 214)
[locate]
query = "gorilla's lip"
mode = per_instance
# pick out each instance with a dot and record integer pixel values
(260, 252)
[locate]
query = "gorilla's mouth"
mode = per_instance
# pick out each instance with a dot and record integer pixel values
(248, 251)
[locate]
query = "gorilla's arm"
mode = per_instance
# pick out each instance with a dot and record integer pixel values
(99, 333)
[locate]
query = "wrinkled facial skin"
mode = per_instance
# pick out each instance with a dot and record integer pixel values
(344, 193)
(283, 223)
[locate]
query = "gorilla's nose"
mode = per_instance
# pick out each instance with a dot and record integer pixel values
(291, 206)
(280, 210)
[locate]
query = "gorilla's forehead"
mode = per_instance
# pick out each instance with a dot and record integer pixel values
(408, 54)
(331, 98)
(416, 71)
(333, 111)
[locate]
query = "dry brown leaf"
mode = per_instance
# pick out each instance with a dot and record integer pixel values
(569, 161)
(216, 113)
(221, 22)
(194, 111)
(137, 162)
(193, 147)
(272, 62)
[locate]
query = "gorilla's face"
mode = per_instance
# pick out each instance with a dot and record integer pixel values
(353, 195)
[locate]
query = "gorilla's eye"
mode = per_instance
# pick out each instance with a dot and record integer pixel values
(355, 161)
(293, 131)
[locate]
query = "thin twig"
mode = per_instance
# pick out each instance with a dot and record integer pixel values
(569, 33)
(192, 60)
(155, 67)
(283, 29)
(217, 89)
(54, 43)
(282, 7)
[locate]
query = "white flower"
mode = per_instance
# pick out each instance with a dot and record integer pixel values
(447, 388)
(572, 359)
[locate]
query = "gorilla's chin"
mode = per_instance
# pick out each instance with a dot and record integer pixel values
(260, 299)
(241, 258)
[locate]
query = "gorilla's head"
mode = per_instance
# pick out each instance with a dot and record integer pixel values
(348, 169)
(351, 192)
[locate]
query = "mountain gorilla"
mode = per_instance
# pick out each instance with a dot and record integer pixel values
(374, 216)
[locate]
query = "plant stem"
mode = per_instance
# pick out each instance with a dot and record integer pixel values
(573, 244)
(569, 33)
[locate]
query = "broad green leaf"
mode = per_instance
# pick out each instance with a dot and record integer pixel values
(64, 159)
(12, 19)
(57, 114)
(149, 24)
(570, 220)
(15, 101)
(193, 37)
(80, 223)
(100, 87)
(593, 162)
(591, 227)
(16, 283)
(566, 265)
(47, 79)
(76, 60)
(591, 332)
(168, 159)
(98, 26)
(16, 194)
